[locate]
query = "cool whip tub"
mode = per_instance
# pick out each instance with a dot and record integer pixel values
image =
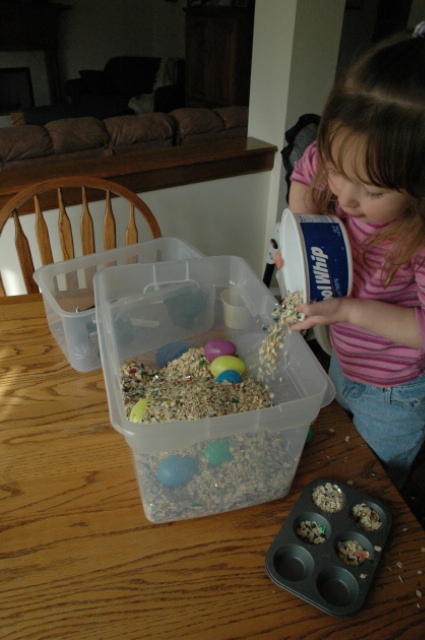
(317, 256)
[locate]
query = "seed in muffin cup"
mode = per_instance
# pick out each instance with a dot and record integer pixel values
(328, 497)
(366, 517)
(311, 531)
(352, 553)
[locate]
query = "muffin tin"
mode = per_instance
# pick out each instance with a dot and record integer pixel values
(314, 569)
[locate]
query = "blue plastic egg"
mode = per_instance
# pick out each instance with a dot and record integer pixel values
(169, 352)
(218, 347)
(234, 377)
(176, 470)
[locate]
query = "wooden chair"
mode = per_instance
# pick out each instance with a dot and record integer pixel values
(58, 194)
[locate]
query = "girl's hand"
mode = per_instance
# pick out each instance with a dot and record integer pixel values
(278, 260)
(389, 321)
(323, 313)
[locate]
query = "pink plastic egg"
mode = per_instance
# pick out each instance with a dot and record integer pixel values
(218, 347)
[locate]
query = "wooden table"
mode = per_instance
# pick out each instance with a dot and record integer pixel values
(78, 558)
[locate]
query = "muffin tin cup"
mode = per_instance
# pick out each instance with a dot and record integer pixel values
(316, 563)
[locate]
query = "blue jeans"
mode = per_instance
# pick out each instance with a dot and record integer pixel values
(391, 419)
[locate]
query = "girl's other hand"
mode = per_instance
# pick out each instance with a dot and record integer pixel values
(322, 313)
(278, 260)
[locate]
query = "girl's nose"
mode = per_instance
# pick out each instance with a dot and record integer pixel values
(347, 196)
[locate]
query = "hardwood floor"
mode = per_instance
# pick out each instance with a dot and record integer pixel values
(413, 491)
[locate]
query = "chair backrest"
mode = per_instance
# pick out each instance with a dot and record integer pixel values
(69, 191)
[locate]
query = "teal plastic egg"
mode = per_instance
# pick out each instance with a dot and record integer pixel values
(234, 377)
(218, 347)
(218, 452)
(226, 363)
(175, 471)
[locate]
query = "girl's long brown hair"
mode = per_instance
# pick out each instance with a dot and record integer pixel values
(381, 103)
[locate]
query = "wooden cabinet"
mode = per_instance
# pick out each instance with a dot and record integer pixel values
(218, 56)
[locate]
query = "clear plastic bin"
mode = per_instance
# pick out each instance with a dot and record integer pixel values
(181, 301)
(68, 295)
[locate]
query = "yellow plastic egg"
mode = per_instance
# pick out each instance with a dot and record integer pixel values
(224, 363)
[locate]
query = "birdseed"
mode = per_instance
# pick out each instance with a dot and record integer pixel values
(284, 316)
(262, 469)
(261, 464)
(312, 532)
(185, 390)
(352, 553)
(328, 497)
(366, 517)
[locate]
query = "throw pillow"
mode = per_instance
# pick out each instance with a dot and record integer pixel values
(144, 103)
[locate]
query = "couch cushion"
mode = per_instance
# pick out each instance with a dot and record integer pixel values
(144, 127)
(75, 134)
(195, 125)
(24, 142)
(233, 117)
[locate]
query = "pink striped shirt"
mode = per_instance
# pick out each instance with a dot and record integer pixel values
(362, 355)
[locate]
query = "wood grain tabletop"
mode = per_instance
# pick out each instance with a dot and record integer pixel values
(80, 561)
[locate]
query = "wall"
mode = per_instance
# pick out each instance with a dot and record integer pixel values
(294, 61)
(35, 61)
(127, 27)
(417, 12)
(222, 217)
(95, 30)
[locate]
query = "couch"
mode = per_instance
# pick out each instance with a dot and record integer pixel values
(87, 137)
(153, 84)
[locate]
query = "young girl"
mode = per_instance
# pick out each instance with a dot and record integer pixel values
(368, 168)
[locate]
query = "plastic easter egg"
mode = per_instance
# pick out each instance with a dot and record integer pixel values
(169, 352)
(215, 348)
(139, 409)
(176, 470)
(226, 363)
(310, 436)
(234, 377)
(218, 452)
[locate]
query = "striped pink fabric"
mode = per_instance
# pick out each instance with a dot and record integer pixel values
(363, 356)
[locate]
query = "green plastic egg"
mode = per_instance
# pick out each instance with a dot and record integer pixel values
(218, 451)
